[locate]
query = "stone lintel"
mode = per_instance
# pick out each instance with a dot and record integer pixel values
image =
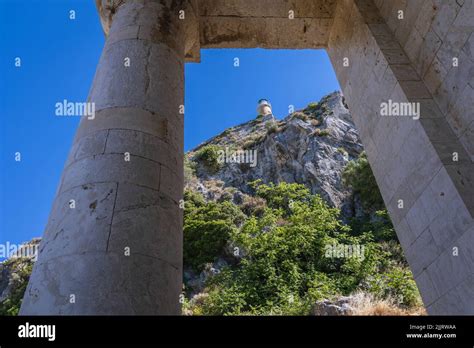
(295, 24)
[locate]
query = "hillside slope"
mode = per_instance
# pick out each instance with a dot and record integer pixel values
(265, 201)
(310, 147)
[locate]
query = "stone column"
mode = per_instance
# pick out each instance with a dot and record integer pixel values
(422, 168)
(113, 243)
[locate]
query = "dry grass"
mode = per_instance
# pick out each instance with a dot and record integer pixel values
(366, 304)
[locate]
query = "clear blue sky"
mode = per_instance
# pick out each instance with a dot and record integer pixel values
(59, 57)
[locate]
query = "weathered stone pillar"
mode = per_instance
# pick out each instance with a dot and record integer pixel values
(424, 170)
(113, 243)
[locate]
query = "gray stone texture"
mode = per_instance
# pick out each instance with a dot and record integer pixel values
(118, 249)
(410, 60)
(426, 57)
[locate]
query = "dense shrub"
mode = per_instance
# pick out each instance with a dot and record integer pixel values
(377, 224)
(271, 127)
(251, 141)
(281, 265)
(22, 269)
(284, 268)
(342, 151)
(324, 133)
(209, 156)
(281, 195)
(189, 169)
(321, 132)
(397, 283)
(358, 175)
(207, 228)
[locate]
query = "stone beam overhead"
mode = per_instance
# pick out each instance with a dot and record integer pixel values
(232, 32)
(288, 24)
(263, 9)
(266, 24)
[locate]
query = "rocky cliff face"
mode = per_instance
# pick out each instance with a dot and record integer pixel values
(14, 275)
(310, 147)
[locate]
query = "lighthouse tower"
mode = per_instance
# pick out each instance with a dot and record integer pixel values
(264, 107)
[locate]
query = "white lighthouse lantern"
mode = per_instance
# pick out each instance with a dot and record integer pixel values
(264, 107)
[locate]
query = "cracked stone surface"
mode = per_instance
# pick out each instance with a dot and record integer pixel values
(113, 244)
(103, 284)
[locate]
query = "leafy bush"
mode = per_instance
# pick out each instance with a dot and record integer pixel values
(271, 127)
(209, 156)
(321, 132)
(281, 196)
(189, 169)
(252, 141)
(378, 225)
(342, 151)
(23, 268)
(396, 283)
(283, 267)
(324, 133)
(207, 227)
(358, 175)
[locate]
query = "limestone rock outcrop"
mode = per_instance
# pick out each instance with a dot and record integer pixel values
(14, 274)
(309, 146)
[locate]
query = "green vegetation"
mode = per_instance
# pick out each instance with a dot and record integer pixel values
(276, 245)
(252, 140)
(358, 175)
(313, 109)
(398, 284)
(301, 116)
(209, 156)
(23, 268)
(226, 132)
(280, 263)
(207, 228)
(342, 151)
(323, 133)
(271, 127)
(325, 109)
(189, 169)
